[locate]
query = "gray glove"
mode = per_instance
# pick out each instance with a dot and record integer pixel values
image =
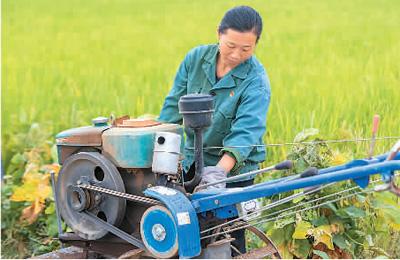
(212, 174)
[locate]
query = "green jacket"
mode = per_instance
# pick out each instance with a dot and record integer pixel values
(241, 100)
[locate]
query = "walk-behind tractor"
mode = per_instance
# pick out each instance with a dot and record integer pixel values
(121, 190)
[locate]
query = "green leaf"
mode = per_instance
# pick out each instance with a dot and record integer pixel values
(281, 235)
(354, 212)
(300, 165)
(320, 221)
(301, 248)
(280, 223)
(50, 209)
(322, 254)
(52, 225)
(340, 241)
(384, 199)
(284, 251)
(18, 159)
(276, 236)
(393, 213)
(330, 206)
(289, 229)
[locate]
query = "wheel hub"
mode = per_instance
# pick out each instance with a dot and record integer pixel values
(78, 198)
(158, 232)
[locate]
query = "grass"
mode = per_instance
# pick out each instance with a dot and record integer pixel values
(332, 64)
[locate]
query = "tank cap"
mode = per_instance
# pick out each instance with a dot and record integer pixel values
(100, 121)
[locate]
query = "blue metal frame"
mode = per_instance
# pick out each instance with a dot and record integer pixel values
(186, 222)
(358, 170)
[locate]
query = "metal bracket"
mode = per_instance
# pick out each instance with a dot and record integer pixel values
(54, 188)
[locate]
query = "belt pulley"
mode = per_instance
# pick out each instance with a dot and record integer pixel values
(93, 168)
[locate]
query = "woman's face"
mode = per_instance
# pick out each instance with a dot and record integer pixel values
(236, 47)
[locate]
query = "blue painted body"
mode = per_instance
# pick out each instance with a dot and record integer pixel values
(79, 131)
(229, 211)
(188, 229)
(133, 147)
(130, 150)
(125, 147)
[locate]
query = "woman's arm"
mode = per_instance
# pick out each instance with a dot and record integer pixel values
(227, 162)
(248, 127)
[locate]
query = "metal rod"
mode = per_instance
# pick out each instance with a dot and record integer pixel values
(198, 160)
(198, 151)
(375, 124)
(285, 215)
(53, 185)
(267, 207)
(309, 142)
(303, 203)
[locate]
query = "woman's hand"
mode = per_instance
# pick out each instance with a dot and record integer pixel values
(212, 174)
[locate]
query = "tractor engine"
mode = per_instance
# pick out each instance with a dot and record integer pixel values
(121, 189)
(127, 157)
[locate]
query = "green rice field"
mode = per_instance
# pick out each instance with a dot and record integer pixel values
(332, 64)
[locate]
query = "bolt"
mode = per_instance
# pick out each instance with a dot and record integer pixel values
(97, 197)
(158, 232)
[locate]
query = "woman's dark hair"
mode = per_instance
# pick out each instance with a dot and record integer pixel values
(241, 19)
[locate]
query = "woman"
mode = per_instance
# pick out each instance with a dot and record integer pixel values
(230, 72)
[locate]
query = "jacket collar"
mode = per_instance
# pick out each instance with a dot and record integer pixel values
(209, 67)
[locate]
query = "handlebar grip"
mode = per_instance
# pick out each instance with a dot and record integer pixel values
(285, 165)
(312, 171)
(375, 124)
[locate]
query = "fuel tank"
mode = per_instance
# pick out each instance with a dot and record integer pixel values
(133, 147)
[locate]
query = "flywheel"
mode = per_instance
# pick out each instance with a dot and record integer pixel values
(94, 169)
